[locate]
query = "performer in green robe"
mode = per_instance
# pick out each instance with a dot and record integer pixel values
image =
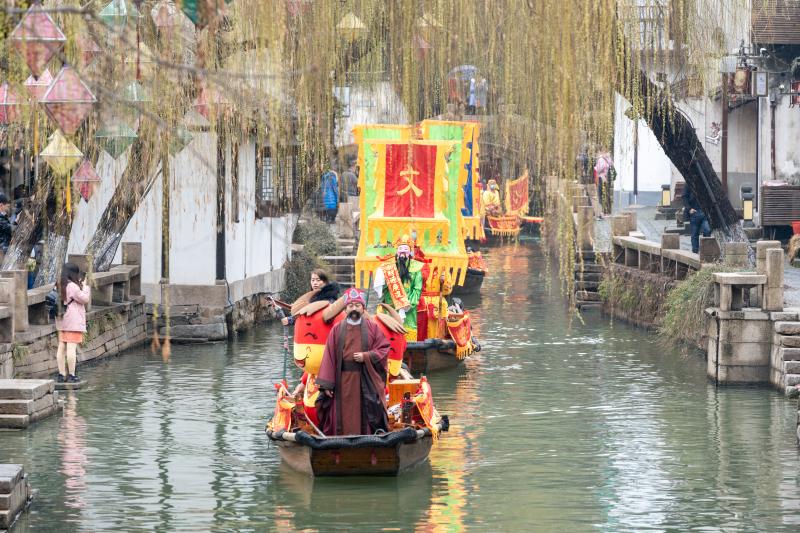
(411, 276)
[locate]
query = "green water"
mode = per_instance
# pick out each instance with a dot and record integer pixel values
(554, 428)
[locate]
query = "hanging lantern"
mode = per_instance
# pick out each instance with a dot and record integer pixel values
(202, 12)
(86, 179)
(351, 27)
(210, 102)
(165, 15)
(9, 104)
(179, 139)
(37, 39)
(134, 95)
(115, 138)
(116, 14)
(68, 101)
(37, 87)
(61, 155)
(88, 50)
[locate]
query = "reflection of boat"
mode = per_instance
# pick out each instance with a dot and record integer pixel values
(389, 454)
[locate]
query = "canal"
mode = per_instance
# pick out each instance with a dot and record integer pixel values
(556, 425)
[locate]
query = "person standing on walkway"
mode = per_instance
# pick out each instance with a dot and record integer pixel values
(352, 376)
(74, 294)
(698, 222)
(348, 201)
(605, 173)
(330, 195)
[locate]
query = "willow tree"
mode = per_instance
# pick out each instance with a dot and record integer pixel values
(267, 69)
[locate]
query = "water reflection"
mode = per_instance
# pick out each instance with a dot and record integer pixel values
(555, 426)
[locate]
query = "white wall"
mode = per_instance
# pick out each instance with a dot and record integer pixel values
(375, 103)
(654, 169)
(254, 247)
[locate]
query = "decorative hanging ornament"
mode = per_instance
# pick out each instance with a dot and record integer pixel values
(351, 27)
(165, 15)
(179, 139)
(86, 179)
(61, 155)
(210, 102)
(37, 39)
(68, 101)
(89, 50)
(116, 14)
(9, 104)
(37, 87)
(202, 12)
(115, 138)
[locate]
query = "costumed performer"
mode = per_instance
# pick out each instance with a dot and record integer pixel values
(353, 374)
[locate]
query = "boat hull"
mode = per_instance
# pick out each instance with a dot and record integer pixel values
(356, 461)
(472, 283)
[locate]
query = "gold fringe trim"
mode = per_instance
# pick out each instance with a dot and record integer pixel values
(464, 351)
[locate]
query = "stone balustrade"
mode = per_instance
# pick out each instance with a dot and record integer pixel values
(20, 308)
(663, 258)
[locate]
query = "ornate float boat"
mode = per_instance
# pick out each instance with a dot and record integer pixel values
(411, 188)
(415, 425)
(509, 225)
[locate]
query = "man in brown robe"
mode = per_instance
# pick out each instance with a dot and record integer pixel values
(353, 374)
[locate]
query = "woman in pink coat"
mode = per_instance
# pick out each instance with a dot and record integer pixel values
(73, 297)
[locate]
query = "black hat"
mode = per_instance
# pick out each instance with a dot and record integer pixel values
(3, 198)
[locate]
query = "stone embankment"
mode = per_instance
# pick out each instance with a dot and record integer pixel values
(24, 401)
(15, 493)
(115, 318)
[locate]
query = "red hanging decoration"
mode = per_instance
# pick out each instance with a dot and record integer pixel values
(9, 104)
(86, 179)
(38, 86)
(68, 101)
(37, 39)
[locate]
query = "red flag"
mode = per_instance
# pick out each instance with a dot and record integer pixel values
(410, 178)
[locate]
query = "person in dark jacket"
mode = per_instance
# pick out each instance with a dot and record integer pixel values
(325, 290)
(5, 223)
(698, 222)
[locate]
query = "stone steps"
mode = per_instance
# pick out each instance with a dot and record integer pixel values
(14, 493)
(24, 401)
(592, 268)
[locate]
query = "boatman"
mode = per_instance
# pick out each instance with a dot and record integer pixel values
(398, 282)
(353, 374)
(490, 200)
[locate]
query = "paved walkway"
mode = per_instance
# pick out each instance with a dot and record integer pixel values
(653, 229)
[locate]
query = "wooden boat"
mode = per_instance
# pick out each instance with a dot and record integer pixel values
(304, 448)
(389, 454)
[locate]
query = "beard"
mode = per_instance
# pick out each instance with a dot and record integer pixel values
(402, 269)
(354, 315)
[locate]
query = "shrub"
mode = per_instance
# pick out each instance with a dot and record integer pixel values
(685, 305)
(316, 238)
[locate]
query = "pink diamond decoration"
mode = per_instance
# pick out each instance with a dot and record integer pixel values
(89, 50)
(37, 87)
(68, 101)
(208, 100)
(86, 179)
(9, 104)
(37, 39)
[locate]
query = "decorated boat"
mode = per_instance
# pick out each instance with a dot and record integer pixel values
(411, 199)
(476, 272)
(507, 226)
(415, 425)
